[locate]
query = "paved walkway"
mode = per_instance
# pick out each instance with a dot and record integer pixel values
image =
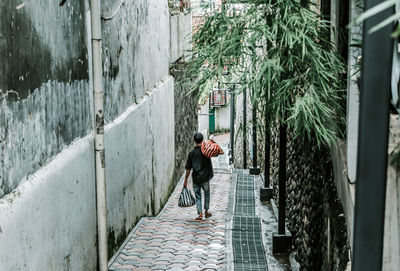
(175, 241)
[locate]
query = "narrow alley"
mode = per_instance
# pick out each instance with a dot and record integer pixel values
(103, 102)
(232, 239)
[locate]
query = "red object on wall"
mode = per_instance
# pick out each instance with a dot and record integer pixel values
(218, 97)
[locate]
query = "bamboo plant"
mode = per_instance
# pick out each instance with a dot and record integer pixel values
(280, 49)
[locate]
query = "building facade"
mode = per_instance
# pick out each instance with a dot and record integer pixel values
(47, 172)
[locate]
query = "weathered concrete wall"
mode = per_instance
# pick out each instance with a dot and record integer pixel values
(140, 160)
(32, 53)
(138, 43)
(135, 51)
(49, 222)
(181, 33)
(204, 117)
(353, 90)
(222, 118)
(44, 90)
(40, 120)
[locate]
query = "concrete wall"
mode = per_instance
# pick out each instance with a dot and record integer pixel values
(204, 117)
(140, 160)
(222, 118)
(49, 222)
(353, 94)
(135, 51)
(44, 89)
(47, 187)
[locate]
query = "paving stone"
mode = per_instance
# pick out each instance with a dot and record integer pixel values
(167, 259)
(184, 261)
(149, 256)
(194, 263)
(160, 267)
(211, 266)
(177, 265)
(164, 254)
(144, 264)
(193, 268)
(175, 241)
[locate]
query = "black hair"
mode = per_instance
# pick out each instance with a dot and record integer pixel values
(198, 138)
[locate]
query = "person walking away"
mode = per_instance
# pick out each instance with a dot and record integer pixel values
(201, 175)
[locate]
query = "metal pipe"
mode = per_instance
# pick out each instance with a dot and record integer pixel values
(99, 136)
(254, 116)
(244, 129)
(267, 150)
(232, 131)
(373, 143)
(282, 179)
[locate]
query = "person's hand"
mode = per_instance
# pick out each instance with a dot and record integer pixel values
(185, 183)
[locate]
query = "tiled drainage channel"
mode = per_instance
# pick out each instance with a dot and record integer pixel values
(245, 200)
(248, 250)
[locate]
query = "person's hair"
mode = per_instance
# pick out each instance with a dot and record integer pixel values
(198, 138)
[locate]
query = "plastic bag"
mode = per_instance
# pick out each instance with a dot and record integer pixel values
(186, 199)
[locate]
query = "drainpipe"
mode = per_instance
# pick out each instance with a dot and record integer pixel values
(282, 241)
(254, 170)
(244, 129)
(232, 131)
(267, 149)
(266, 192)
(282, 179)
(99, 136)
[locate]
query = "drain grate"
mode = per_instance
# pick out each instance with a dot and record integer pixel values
(245, 186)
(248, 250)
(245, 201)
(245, 223)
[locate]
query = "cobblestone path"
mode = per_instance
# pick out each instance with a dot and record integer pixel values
(174, 240)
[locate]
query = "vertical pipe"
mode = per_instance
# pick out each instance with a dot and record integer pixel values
(232, 131)
(372, 152)
(99, 136)
(254, 136)
(282, 178)
(244, 129)
(267, 150)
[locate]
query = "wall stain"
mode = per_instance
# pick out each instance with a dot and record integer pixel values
(28, 62)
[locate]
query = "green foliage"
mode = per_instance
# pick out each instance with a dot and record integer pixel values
(278, 49)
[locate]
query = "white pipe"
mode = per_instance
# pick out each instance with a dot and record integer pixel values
(99, 136)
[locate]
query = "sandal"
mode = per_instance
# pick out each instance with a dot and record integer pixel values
(208, 214)
(200, 217)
